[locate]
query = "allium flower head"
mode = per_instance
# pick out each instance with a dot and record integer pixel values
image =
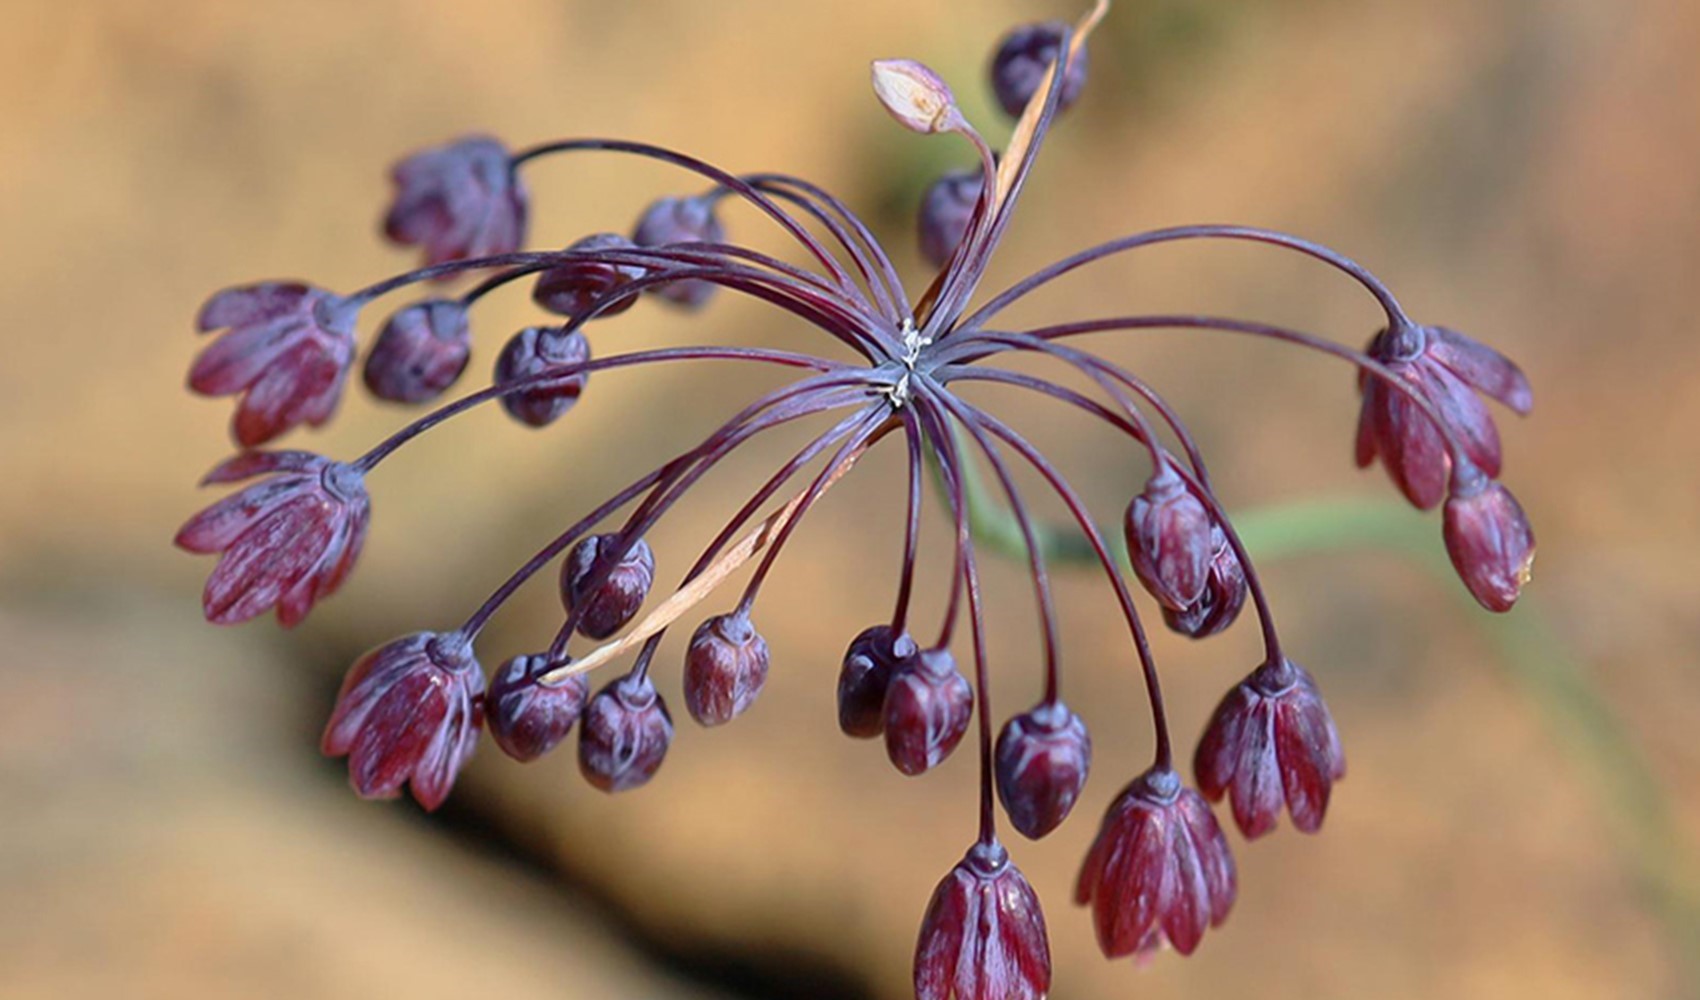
(983, 937)
(458, 201)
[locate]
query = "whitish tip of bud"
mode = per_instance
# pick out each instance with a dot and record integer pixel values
(915, 96)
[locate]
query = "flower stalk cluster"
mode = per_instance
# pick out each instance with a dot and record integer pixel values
(410, 711)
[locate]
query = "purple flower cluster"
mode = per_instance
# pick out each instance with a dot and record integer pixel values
(410, 712)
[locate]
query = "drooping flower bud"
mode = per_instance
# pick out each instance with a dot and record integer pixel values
(625, 734)
(1159, 872)
(915, 96)
(865, 676)
(1223, 597)
(457, 201)
(1019, 65)
(946, 210)
(528, 718)
(621, 593)
(408, 713)
(725, 668)
(927, 707)
(1042, 759)
(420, 352)
(1490, 541)
(531, 352)
(572, 288)
(673, 221)
(1272, 743)
(983, 937)
(1168, 539)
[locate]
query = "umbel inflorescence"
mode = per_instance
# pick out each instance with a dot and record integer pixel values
(410, 712)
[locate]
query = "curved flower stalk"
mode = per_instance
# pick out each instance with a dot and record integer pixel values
(886, 364)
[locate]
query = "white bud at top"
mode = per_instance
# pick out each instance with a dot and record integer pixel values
(915, 96)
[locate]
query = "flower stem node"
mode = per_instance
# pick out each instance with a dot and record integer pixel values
(983, 936)
(927, 708)
(725, 668)
(625, 734)
(528, 719)
(866, 675)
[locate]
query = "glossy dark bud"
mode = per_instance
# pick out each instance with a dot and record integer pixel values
(865, 676)
(1272, 744)
(946, 210)
(1490, 541)
(1223, 597)
(457, 201)
(927, 707)
(1169, 539)
(983, 937)
(725, 668)
(572, 288)
(532, 352)
(625, 735)
(621, 593)
(1042, 759)
(420, 352)
(669, 221)
(1019, 66)
(528, 718)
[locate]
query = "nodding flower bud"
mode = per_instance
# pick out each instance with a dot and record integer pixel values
(927, 707)
(1019, 65)
(625, 734)
(1223, 597)
(1489, 539)
(532, 352)
(571, 288)
(865, 676)
(528, 718)
(725, 668)
(668, 222)
(420, 352)
(1271, 743)
(915, 96)
(1169, 539)
(458, 201)
(983, 937)
(1160, 870)
(1042, 759)
(621, 593)
(946, 210)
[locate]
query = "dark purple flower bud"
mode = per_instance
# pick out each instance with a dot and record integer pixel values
(1490, 541)
(621, 593)
(1169, 539)
(1449, 370)
(1042, 759)
(946, 210)
(725, 668)
(927, 707)
(1271, 744)
(1159, 872)
(285, 542)
(458, 201)
(671, 221)
(419, 352)
(286, 347)
(1224, 594)
(983, 937)
(528, 718)
(865, 676)
(533, 351)
(571, 288)
(1019, 66)
(409, 712)
(625, 734)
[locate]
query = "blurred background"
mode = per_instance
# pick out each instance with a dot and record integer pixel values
(1524, 795)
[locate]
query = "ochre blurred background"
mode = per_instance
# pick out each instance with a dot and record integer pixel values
(1522, 806)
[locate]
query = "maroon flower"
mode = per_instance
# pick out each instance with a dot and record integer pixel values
(420, 352)
(1020, 63)
(408, 712)
(286, 542)
(1223, 597)
(865, 676)
(946, 210)
(1042, 759)
(927, 708)
(1449, 370)
(608, 608)
(528, 718)
(1159, 871)
(458, 201)
(287, 348)
(1490, 541)
(672, 221)
(1169, 539)
(725, 668)
(625, 734)
(1271, 744)
(531, 352)
(983, 937)
(571, 288)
